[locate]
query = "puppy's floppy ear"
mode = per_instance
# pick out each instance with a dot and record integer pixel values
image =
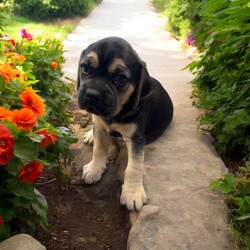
(144, 85)
(78, 81)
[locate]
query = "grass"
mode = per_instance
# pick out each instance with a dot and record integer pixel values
(54, 28)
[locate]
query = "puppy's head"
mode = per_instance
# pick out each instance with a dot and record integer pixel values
(111, 76)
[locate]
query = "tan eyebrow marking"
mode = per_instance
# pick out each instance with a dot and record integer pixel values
(118, 64)
(92, 59)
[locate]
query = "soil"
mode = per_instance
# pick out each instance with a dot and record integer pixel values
(83, 216)
(80, 223)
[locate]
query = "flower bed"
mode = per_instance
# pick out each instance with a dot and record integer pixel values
(34, 131)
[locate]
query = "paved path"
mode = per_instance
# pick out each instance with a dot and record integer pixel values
(182, 213)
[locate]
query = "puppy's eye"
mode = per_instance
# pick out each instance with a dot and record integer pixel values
(120, 79)
(85, 68)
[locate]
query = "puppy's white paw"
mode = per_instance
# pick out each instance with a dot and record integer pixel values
(91, 173)
(89, 138)
(133, 197)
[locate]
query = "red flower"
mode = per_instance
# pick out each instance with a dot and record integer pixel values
(32, 101)
(6, 145)
(7, 38)
(25, 119)
(30, 172)
(48, 139)
(24, 34)
(1, 221)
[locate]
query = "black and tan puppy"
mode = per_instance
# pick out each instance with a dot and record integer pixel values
(114, 85)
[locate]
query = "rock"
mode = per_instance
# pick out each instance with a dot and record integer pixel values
(21, 242)
(138, 234)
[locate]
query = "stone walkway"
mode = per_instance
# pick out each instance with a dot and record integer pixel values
(182, 213)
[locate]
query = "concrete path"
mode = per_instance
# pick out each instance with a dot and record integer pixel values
(182, 213)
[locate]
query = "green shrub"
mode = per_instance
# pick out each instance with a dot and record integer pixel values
(222, 84)
(160, 4)
(181, 15)
(6, 7)
(41, 10)
(237, 191)
(177, 13)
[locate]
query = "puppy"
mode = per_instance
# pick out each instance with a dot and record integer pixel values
(114, 85)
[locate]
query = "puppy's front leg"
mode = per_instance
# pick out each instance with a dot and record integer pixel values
(133, 193)
(93, 171)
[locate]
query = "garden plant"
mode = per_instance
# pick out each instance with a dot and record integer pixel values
(220, 31)
(34, 128)
(43, 10)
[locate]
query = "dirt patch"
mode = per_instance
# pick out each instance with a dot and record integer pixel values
(80, 220)
(84, 216)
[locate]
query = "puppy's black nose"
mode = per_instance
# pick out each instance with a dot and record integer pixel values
(92, 96)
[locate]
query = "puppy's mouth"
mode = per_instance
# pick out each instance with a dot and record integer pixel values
(97, 102)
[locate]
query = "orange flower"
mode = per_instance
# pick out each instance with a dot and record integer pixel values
(48, 139)
(18, 57)
(15, 56)
(25, 119)
(30, 172)
(6, 144)
(9, 54)
(54, 65)
(32, 101)
(5, 114)
(7, 72)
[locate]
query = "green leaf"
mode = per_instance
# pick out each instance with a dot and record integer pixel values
(225, 188)
(7, 210)
(24, 190)
(41, 198)
(215, 184)
(36, 137)
(242, 217)
(13, 166)
(4, 231)
(72, 139)
(25, 149)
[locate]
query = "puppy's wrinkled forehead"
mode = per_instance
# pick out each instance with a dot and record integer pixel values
(111, 53)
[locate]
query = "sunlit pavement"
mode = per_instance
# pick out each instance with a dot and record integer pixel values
(182, 213)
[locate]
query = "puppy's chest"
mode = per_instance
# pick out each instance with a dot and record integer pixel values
(121, 130)
(115, 133)
(116, 129)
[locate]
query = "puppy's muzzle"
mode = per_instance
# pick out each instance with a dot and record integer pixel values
(97, 102)
(89, 98)
(92, 97)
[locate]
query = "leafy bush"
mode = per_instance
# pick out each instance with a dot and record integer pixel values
(29, 138)
(41, 10)
(178, 22)
(220, 30)
(222, 84)
(160, 4)
(237, 191)
(6, 7)
(181, 15)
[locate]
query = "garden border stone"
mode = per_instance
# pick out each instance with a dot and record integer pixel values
(21, 242)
